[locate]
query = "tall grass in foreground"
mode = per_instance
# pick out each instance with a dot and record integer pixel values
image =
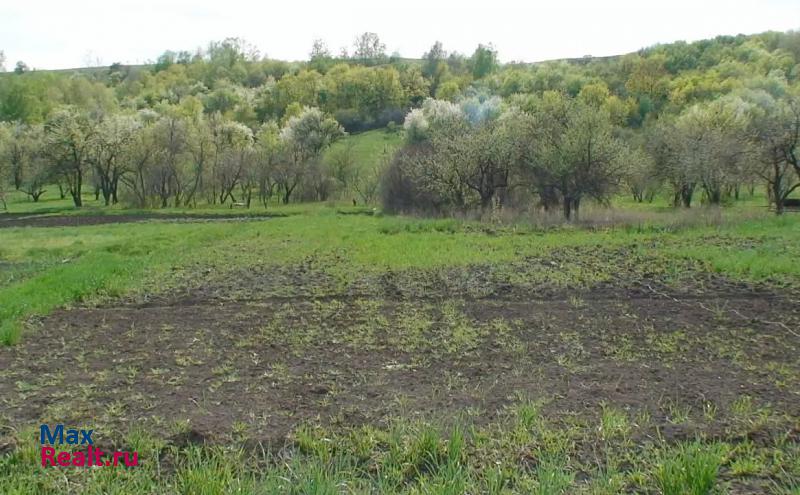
(520, 454)
(691, 469)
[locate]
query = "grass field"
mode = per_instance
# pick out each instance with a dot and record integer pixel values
(328, 350)
(369, 147)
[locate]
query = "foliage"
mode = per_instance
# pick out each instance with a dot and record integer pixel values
(694, 117)
(560, 148)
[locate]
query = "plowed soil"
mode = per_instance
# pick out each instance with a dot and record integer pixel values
(239, 351)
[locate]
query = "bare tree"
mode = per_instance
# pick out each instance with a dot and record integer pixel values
(170, 146)
(267, 149)
(139, 163)
(775, 132)
(368, 48)
(38, 171)
(304, 138)
(574, 153)
(111, 143)
(366, 180)
(341, 164)
(69, 135)
(201, 147)
(5, 139)
(672, 155)
(640, 174)
(233, 148)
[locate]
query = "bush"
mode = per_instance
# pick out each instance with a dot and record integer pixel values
(400, 192)
(350, 119)
(390, 115)
(354, 121)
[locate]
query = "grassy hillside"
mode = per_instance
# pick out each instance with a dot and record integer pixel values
(369, 148)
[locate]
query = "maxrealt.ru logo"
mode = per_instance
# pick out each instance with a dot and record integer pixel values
(92, 456)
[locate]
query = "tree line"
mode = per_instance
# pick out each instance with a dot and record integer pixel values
(714, 117)
(554, 151)
(363, 90)
(173, 158)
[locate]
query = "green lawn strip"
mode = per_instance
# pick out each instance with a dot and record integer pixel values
(60, 285)
(117, 264)
(762, 250)
(76, 263)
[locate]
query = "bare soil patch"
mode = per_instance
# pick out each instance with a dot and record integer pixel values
(9, 220)
(420, 344)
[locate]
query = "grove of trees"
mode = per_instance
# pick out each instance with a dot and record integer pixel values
(173, 158)
(706, 121)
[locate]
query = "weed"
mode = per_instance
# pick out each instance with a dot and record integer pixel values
(689, 469)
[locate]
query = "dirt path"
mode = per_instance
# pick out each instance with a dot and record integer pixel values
(9, 220)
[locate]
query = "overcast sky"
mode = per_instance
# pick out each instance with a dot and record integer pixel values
(51, 34)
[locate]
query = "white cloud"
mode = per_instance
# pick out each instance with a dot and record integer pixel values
(59, 34)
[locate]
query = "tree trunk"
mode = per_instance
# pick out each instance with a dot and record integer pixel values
(777, 193)
(567, 207)
(287, 193)
(486, 200)
(713, 194)
(687, 191)
(17, 178)
(77, 189)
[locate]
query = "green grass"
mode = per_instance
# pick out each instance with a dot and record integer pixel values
(18, 202)
(369, 147)
(49, 267)
(754, 250)
(99, 261)
(522, 451)
(690, 469)
(516, 454)
(50, 204)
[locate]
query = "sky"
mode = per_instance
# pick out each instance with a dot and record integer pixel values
(58, 34)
